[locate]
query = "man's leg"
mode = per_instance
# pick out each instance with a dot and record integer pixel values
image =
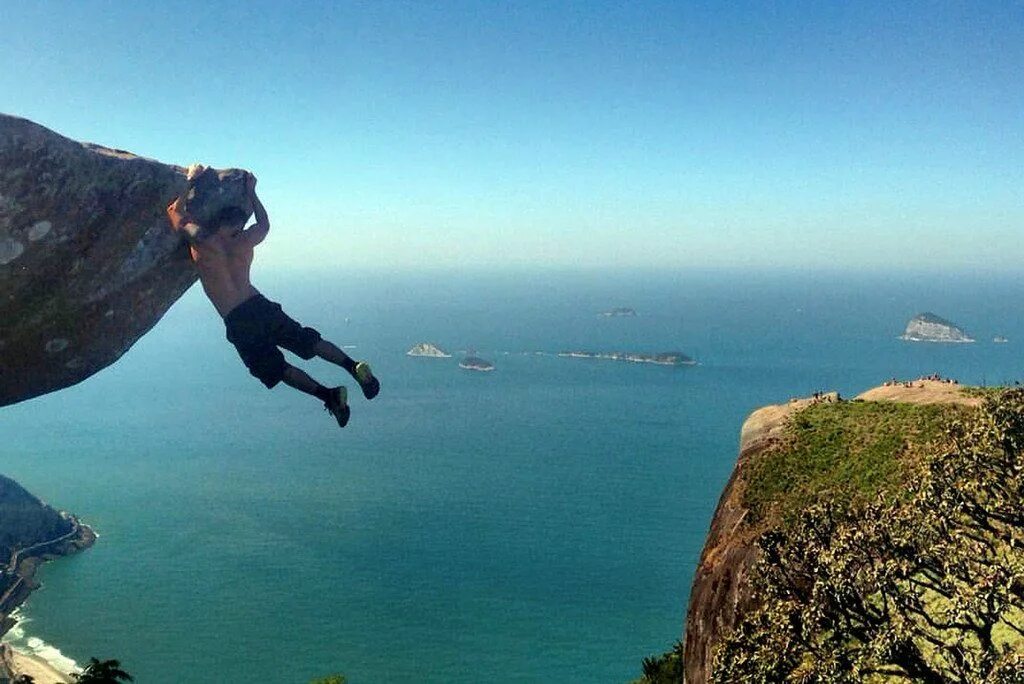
(335, 398)
(300, 380)
(358, 370)
(306, 343)
(329, 352)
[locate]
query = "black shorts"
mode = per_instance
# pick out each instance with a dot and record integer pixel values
(257, 327)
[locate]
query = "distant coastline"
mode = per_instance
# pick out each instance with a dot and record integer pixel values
(49, 534)
(17, 574)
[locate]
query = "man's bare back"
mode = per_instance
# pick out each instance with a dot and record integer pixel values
(223, 262)
(257, 327)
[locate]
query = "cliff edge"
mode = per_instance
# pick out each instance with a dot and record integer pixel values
(88, 260)
(863, 444)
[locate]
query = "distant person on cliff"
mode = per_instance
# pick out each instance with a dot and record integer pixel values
(223, 251)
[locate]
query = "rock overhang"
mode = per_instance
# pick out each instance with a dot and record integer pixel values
(88, 260)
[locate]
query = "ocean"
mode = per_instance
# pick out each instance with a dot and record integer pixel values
(538, 523)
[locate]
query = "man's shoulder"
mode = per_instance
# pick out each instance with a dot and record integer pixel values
(255, 234)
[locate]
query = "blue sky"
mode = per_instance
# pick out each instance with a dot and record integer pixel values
(592, 134)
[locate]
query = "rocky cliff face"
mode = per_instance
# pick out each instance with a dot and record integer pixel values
(88, 260)
(721, 593)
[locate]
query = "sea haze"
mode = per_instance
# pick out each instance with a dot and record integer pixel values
(538, 523)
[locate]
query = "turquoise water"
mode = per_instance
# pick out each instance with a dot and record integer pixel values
(539, 523)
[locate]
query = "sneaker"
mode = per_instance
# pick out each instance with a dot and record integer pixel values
(369, 384)
(337, 405)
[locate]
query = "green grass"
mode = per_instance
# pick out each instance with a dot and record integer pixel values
(843, 451)
(985, 392)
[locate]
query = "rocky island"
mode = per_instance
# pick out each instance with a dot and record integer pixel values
(31, 532)
(475, 363)
(619, 312)
(427, 349)
(662, 359)
(927, 327)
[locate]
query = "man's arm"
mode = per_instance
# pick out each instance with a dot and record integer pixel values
(257, 232)
(181, 221)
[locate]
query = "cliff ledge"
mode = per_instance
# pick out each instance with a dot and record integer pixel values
(864, 445)
(88, 260)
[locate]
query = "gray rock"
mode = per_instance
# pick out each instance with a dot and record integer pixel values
(428, 349)
(928, 327)
(83, 231)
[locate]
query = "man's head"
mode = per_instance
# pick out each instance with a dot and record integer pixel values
(229, 218)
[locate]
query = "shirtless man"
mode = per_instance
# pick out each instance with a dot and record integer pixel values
(223, 253)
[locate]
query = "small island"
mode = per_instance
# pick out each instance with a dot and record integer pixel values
(427, 349)
(475, 363)
(928, 327)
(999, 339)
(662, 359)
(619, 312)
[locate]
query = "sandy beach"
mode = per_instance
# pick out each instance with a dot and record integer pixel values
(40, 670)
